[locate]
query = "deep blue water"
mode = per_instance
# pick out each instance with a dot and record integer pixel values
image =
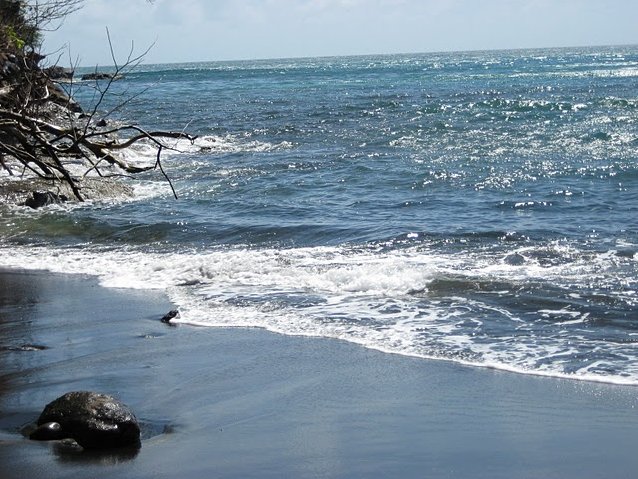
(478, 207)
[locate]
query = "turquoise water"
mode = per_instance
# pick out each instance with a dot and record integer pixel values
(476, 207)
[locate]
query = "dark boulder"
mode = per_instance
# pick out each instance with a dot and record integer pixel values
(169, 316)
(59, 73)
(49, 431)
(101, 76)
(38, 199)
(94, 421)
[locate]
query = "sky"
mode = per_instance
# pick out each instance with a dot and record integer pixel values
(210, 30)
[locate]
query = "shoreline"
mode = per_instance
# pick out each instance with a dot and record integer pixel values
(251, 403)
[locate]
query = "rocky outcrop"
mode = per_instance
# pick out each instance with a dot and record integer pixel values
(101, 76)
(94, 421)
(23, 192)
(59, 73)
(22, 81)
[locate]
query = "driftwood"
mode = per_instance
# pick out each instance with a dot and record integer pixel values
(45, 148)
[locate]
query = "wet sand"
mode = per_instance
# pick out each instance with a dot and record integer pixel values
(238, 403)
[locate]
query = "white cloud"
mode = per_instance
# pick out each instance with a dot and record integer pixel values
(188, 30)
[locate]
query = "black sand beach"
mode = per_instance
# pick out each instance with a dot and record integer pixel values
(247, 403)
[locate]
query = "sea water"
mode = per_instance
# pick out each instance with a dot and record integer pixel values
(475, 207)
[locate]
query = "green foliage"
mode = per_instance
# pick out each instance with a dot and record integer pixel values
(18, 27)
(13, 38)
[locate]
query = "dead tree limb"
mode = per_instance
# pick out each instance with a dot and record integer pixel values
(43, 147)
(47, 141)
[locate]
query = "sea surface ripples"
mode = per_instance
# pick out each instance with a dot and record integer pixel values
(475, 207)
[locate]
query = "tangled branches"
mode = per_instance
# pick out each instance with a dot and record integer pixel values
(47, 149)
(44, 131)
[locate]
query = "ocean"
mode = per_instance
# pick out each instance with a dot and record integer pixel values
(477, 207)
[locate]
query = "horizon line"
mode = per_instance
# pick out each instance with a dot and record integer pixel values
(355, 55)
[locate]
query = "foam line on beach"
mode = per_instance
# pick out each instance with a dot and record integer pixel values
(408, 302)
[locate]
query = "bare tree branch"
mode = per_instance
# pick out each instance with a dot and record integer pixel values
(40, 128)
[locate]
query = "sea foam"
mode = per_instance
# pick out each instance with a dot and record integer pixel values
(381, 301)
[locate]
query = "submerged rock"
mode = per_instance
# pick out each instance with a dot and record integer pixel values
(24, 347)
(514, 259)
(626, 253)
(18, 192)
(94, 421)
